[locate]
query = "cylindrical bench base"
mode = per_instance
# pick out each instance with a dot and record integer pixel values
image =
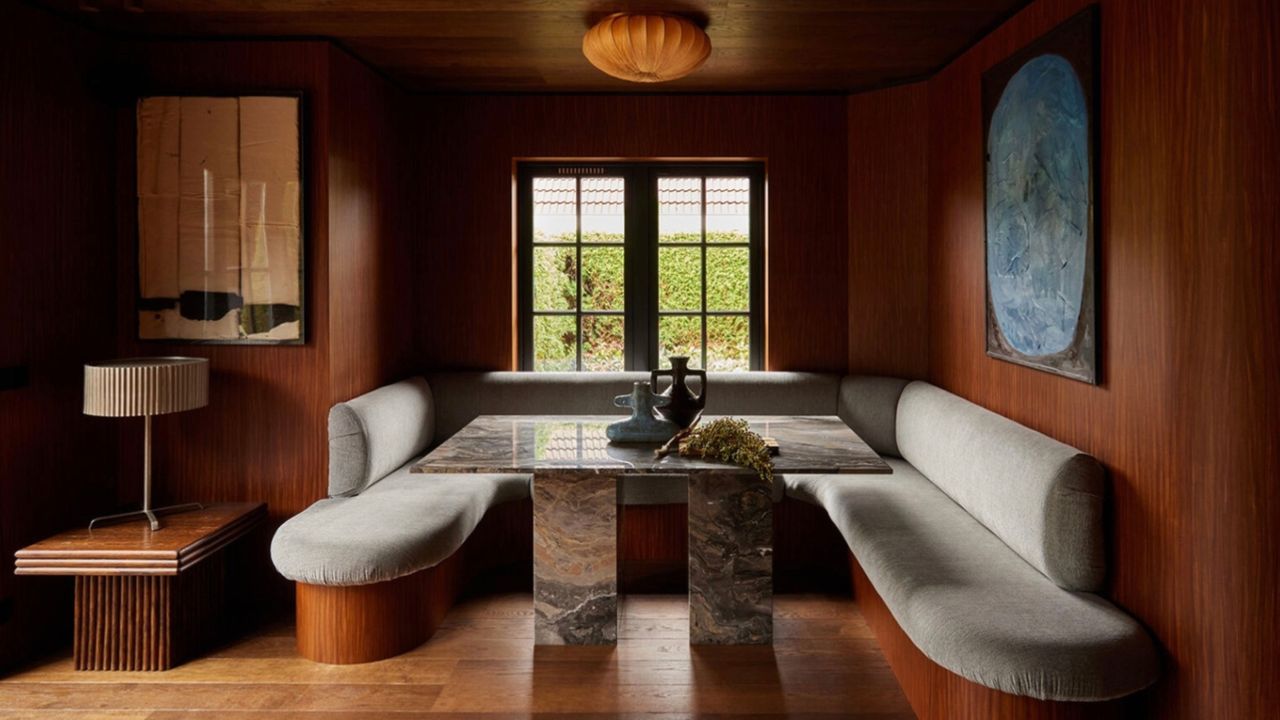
(341, 625)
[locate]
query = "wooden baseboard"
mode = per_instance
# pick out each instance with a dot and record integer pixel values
(936, 693)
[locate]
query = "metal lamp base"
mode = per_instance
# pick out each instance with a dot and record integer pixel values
(150, 514)
(147, 511)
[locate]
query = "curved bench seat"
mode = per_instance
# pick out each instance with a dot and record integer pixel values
(400, 525)
(970, 603)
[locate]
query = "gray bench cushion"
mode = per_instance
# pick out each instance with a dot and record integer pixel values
(375, 433)
(402, 524)
(1044, 499)
(970, 603)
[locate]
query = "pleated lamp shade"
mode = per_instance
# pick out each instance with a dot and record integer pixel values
(646, 48)
(145, 386)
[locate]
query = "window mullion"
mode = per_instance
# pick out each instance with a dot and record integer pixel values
(577, 248)
(702, 184)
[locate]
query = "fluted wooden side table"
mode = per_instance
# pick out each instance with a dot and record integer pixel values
(146, 599)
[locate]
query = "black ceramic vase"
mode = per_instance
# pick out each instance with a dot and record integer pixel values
(684, 406)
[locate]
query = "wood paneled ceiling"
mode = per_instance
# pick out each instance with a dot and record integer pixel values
(536, 45)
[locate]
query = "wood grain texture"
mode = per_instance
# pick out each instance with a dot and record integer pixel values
(514, 45)
(57, 246)
(133, 548)
(370, 197)
(481, 663)
(1185, 415)
(936, 693)
(466, 270)
(341, 625)
(653, 548)
(144, 599)
(148, 622)
(888, 232)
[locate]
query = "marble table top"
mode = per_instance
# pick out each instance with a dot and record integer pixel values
(525, 443)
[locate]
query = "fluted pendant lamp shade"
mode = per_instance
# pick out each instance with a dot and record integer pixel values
(646, 48)
(145, 386)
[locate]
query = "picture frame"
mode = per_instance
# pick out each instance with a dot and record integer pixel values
(221, 231)
(1040, 129)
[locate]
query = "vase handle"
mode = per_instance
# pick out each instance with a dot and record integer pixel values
(701, 398)
(654, 375)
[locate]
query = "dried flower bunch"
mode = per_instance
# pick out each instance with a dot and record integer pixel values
(729, 440)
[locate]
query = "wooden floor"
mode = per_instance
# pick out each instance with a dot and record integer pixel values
(482, 662)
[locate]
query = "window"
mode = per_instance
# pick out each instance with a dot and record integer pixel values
(622, 265)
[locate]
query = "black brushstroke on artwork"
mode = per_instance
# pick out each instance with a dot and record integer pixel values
(262, 318)
(198, 305)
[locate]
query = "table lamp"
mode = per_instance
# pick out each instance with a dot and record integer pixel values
(143, 387)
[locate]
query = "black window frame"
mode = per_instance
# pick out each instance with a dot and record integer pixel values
(640, 323)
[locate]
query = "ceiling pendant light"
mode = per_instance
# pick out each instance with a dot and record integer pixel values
(646, 48)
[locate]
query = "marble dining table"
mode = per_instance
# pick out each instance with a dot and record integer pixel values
(576, 473)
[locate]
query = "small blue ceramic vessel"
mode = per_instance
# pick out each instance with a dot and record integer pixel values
(644, 425)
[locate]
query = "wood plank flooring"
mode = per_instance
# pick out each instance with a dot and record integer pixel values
(482, 663)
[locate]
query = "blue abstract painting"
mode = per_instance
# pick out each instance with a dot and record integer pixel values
(1039, 219)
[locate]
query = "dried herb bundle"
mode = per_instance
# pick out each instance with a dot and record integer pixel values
(729, 440)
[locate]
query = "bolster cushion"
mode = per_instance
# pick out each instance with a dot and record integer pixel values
(373, 434)
(869, 406)
(1042, 498)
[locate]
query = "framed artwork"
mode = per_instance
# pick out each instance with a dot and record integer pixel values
(220, 231)
(1039, 134)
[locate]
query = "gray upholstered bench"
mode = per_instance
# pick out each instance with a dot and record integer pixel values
(986, 545)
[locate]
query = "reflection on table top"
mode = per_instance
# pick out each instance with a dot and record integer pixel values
(525, 443)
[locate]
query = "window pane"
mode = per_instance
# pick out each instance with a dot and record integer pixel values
(728, 279)
(602, 342)
(680, 335)
(555, 341)
(602, 272)
(555, 209)
(679, 210)
(728, 209)
(555, 278)
(679, 278)
(728, 343)
(603, 219)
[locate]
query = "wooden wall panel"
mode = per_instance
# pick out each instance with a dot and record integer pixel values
(888, 232)
(465, 274)
(262, 437)
(57, 288)
(1187, 408)
(371, 338)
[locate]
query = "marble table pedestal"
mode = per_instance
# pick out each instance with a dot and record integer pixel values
(730, 559)
(575, 557)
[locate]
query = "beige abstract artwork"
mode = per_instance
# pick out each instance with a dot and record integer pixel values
(220, 219)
